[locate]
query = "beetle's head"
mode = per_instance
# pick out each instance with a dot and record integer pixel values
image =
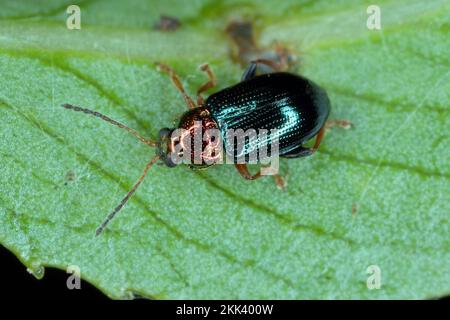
(164, 147)
(196, 141)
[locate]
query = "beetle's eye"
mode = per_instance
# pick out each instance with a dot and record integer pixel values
(164, 133)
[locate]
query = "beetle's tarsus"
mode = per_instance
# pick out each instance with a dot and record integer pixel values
(208, 85)
(280, 182)
(345, 124)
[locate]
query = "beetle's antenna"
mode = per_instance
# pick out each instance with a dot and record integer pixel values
(114, 122)
(126, 198)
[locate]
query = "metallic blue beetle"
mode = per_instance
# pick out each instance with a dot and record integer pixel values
(296, 107)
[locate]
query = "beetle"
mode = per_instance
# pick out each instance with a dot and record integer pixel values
(294, 105)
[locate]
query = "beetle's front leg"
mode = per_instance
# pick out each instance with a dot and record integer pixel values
(176, 81)
(243, 170)
(208, 85)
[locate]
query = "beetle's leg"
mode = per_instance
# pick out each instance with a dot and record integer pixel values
(338, 123)
(319, 137)
(283, 56)
(243, 170)
(250, 72)
(304, 152)
(176, 81)
(274, 65)
(210, 84)
(286, 58)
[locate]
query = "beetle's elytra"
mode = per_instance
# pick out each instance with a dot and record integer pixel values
(293, 105)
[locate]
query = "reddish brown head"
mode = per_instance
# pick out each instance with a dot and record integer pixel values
(196, 141)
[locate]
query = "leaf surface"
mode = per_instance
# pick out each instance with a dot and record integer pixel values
(374, 195)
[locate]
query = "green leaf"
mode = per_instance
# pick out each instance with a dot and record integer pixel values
(374, 195)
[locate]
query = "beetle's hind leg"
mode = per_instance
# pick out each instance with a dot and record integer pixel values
(305, 152)
(208, 85)
(176, 81)
(243, 170)
(338, 123)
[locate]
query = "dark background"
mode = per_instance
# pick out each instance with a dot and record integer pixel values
(16, 282)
